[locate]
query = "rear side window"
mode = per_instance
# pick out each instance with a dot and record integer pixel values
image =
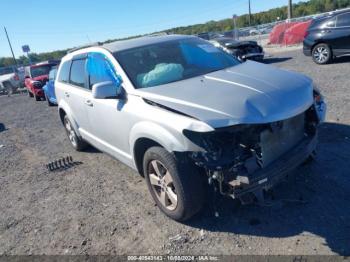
(330, 23)
(64, 72)
(77, 73)
(52, 74)
(343, 20)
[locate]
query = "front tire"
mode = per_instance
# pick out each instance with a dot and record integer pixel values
(176, 186)
(9, 88)
(322, 54)
(37, 98)
(30, 94)
(75, 141)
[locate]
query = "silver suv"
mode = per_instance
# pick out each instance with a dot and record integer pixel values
(189, 117)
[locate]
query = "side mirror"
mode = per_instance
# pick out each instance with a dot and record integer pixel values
(105, 90)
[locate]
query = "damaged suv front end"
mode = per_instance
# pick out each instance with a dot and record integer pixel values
(243, 160)
(202, 113)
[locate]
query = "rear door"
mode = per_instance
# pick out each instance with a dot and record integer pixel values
(51, 85)
(336, 33)
(77, 93)
(343, 32)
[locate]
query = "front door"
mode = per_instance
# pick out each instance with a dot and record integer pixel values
(343, 31)
(107, 117)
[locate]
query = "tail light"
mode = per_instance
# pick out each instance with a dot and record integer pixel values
(16, 77)
(317, 96)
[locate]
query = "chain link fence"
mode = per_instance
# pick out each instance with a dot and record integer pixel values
(280, 32)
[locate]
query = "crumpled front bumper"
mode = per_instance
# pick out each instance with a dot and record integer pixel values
(267, 177)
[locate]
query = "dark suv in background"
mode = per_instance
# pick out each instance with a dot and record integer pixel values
(328, 37)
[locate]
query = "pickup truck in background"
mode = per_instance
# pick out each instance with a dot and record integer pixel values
(36, 77)
(9, 80)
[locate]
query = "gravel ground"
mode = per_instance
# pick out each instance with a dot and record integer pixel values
(103, 207)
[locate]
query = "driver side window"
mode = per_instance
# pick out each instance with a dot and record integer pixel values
(100, 69)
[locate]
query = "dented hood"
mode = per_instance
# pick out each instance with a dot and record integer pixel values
(248, 93)
(41, 78)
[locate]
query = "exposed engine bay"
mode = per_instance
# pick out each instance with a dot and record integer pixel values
(246, 50)
(241, 49)
(250, 157)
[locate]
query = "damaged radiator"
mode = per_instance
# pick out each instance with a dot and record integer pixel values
(279, 138)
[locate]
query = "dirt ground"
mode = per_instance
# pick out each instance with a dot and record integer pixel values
(103, 207)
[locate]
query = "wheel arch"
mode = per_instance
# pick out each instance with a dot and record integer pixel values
(64, 110)
(321, 42)
(147, 134)
(140, 148)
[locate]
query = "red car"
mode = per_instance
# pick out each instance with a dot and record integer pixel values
(36, 77)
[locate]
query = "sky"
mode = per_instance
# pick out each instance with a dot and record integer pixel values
(47, 25)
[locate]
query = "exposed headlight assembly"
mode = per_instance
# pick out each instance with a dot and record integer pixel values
(320, 105)
(37, 84)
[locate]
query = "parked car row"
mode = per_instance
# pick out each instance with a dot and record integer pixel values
(189, 117)
(324, 38)
(39, 80)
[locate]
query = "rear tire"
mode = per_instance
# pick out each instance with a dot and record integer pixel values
(9, 88)
(30, 94)
(75, 141)
(37, 98)
(322, 54)
(177, 187)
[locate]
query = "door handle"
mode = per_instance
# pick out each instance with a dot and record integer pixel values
(66, 94)
(88, 103)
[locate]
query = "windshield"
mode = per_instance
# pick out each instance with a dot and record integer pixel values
(171, 61)
(40, 70)
(6, 70)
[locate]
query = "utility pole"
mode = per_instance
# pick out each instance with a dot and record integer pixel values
(234, 17)
(8, 39)
(290, 11)
(250, 14)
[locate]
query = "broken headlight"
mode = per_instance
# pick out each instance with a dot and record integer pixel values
(207, 141)
(223, 147)
(37, 84)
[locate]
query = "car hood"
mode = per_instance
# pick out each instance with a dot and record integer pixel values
(240, 43)
(248, 93)
(42, 78)
(6, 77)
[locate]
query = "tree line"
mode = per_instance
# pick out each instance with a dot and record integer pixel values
(299, 9)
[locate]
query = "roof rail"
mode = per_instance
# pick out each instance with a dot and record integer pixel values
(52, 61)
(84, 46)
(158, 34)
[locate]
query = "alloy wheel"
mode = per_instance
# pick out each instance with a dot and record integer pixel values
(162, 184)
(70, 132)
(321, 54)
